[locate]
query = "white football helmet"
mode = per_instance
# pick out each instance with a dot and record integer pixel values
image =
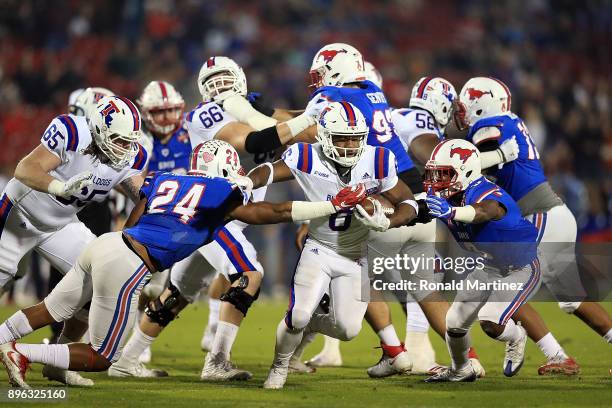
(115, 126)
(337, 121)
(435, 95)
(335, 65)
(215, 158)
(480, 98)
(161, 96)
(87, 100)
(372, 74)
(228, 76)
(453, 165)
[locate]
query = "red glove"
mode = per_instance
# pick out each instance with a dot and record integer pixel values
(349, 197)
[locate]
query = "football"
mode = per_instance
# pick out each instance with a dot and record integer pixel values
(368, 204)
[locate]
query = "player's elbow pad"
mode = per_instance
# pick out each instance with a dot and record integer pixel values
(262, 141)
(413, 179)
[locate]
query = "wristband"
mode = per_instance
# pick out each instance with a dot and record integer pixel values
(492, 158)
(464, 214)
(269, 165)
(413, 204)
(306, 210)
(56, 187)
(300, 123)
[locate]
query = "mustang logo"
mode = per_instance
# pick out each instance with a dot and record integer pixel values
(464, 154)
(477, 93)
(329, 55)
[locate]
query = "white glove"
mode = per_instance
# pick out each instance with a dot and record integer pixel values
(315, 106)
(220, 98)
(509, 150)
(245, 184)
(73, 185)
(377, 221)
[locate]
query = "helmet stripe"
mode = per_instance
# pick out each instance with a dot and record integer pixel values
(194, 156)
(437, 148)
(350, 113)
(210, 62)
(164, 92)
(135, 114)
(505, 89)
(422, 87)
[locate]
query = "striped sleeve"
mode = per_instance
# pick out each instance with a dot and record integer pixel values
(299, 157)
(141, 159)
(61, 136)
(492, 192)
(381, 163)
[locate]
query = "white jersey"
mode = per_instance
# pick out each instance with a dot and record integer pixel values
(205, 121)
(68, 136)
(411, 123)
(317, 176)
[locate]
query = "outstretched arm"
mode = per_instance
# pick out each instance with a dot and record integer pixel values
(405, 206)
(477, 213)
(266, 173)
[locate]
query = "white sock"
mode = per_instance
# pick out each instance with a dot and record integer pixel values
(389, 336)
(330, 345)
(57, 355)
(287, 342)
(511, 332)
(214, 308)
(551, 347)
(458, 348)
(224, 339)
(307, 338)
(135, 346)
(608, 336)
(15, 327)
(415, 319)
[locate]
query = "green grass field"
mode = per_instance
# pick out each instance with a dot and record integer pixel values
(177, 350)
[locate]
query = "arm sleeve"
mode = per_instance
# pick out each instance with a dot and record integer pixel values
(61, 136)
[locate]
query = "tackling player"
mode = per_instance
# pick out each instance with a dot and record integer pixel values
(484, 107)
(484, 219)
(176, 215)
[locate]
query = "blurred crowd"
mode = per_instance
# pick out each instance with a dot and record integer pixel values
(553, 54)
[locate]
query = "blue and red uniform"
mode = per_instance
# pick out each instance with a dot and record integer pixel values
(172, 155)
(182, 214)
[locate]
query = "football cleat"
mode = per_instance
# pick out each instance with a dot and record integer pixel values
(560, 365)
(66, 376)
(466, 374)
(298, 367)
(476, 364)
(145, 356)
(216, 368)
(422, 354)
(515, 354)
(276, 378)
(135, 370)
(394, 360)
(328, 357)
(16, 365)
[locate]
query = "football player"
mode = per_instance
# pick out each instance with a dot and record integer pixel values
(331, 260)
(169, 150)
(78, 161)
(485, 107)
(231, 254)
(113, 268)
(485, 219)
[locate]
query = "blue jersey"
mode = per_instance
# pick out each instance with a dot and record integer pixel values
(371, 101)
(173, 155)
(182, 214)
(511, 241)
(519, 176)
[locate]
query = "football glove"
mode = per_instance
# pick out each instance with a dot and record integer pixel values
(378, 221)
(72, 186)
(349, 197)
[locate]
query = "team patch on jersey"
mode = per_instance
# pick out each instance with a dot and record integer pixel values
(73, 134)
(305, 157)
(381, 163)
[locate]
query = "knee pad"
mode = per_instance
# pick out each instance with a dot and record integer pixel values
(349, 331)
(297, 319)
(238, 297)
(456, 332)
(569, 307)
(161, 313)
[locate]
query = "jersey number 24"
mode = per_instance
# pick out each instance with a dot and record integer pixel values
(186, 205)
